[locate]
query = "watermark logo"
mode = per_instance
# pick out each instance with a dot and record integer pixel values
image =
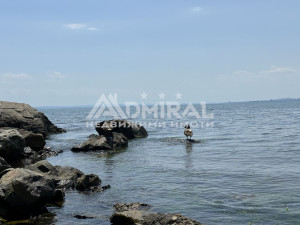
(108, 106)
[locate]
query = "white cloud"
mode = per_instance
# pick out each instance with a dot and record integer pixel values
(76, 26)
(196, 9)
(80, 26)
(56, 75)
(92, 28)
(16, 76)
(275, 69)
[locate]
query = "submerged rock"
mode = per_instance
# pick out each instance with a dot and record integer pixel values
(11, 144)
(135, 214)
(128, 129)
(96, 142)
(23, 116)
(24, 193)
(120, 207)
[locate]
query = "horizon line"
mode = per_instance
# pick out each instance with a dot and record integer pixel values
(185, 103)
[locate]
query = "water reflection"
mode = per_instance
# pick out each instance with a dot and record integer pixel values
(188, 158)
(189, 147)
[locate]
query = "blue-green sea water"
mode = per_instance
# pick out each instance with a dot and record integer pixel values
(245, 169)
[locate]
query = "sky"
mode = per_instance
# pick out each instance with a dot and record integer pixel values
(70, 52)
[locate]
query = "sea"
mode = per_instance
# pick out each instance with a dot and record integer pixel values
(243, 167)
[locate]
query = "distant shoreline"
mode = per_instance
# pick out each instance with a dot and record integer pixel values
(150, 104)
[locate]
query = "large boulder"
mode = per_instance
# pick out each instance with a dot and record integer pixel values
(136, 214)
(62, 176)
(11, 144)
(129, 129)
(33, 140)
(23, 116)
(66, 177)
(24, 193)
(96, 142)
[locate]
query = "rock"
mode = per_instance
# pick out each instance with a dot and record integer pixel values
(135, 214)
(24, 193)
(63, 176)
(33, 156)
(83, 217)
(92, 144)
(92, 135)
(34, 141)
(164, 219)
(133, 217)
(23, 116)
(120, 207)
(11, 144)
(119, 140)
(3, 165)
(129, 129)
(95, 143)
(5, 172)
(87, 182)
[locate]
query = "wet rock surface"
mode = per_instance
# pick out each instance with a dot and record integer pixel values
(136, 214)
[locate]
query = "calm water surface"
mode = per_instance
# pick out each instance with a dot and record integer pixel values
(245, 169)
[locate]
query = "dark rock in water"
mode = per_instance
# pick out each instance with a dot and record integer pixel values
(31, 156)
(131, 217)
(12, 144)
(164, 219)
(92, 135)
(3, 165)
(129, 129)
(83, 217)
(120, 207)
(23, 116)
(133, 214)
(176, 140)
(63, 176)
(103, 188)
(119, 140)
(88, 182)
(24, 193)
(95, 143)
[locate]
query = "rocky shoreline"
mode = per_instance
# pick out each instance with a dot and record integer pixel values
(29, 183)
